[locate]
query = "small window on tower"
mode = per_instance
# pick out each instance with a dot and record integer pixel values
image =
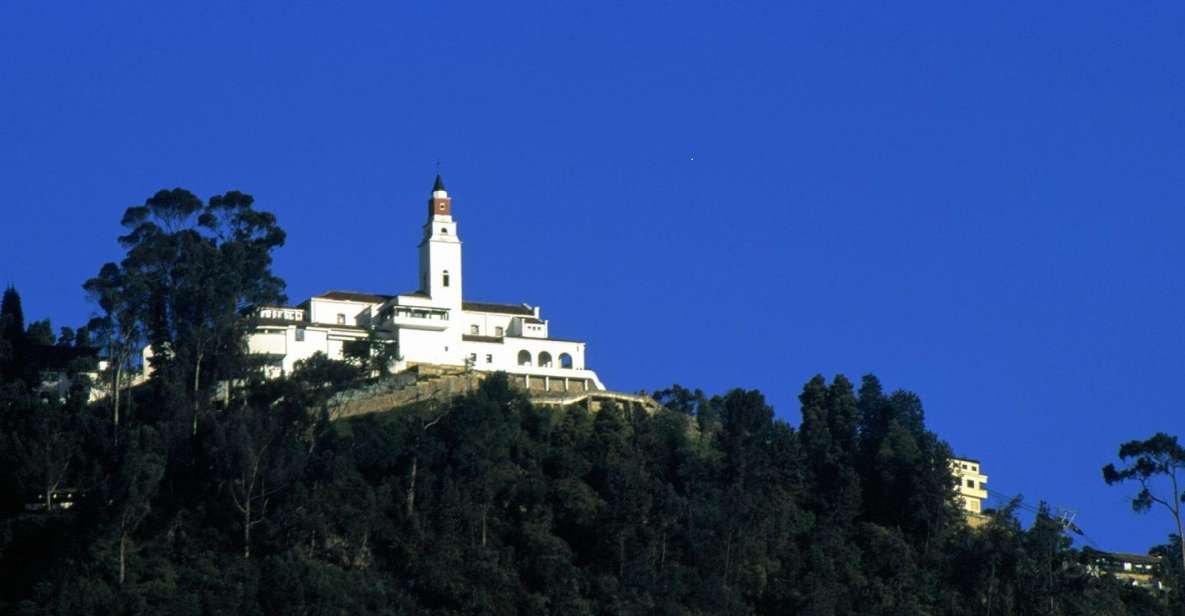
(444, 278)
(444, 230)
(341, 319)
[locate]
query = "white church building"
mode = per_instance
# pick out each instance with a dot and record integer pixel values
(434, 325)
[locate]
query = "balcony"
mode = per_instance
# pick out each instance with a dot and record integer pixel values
(280, 313)
(415, 317)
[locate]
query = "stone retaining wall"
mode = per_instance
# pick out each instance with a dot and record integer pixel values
(425, 383)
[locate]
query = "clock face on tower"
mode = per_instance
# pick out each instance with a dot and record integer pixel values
(438, 207)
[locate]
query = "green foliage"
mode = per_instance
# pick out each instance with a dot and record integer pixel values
(484, 504)
(1159, 459)
(487, 504)
(13, 341)
(1159, 456)
(191, 276)
(40, 333)
(12, 316)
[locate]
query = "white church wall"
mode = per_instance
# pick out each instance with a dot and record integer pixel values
(333, 348)
(504, 357)
(528, 327)
(327, 311)
(299, 342)
(430, 347)
(487, 323)
(270, 342)
(313, 341)
(411, 300)
(510, 351)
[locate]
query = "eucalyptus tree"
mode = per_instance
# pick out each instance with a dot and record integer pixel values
(1158, 458)
(119, 331)
(133, 491)
(192, 273)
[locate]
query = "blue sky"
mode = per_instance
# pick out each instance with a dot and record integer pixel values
(980, 203)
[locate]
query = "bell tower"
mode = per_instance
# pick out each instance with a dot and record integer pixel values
(439, 204)
(440, 252)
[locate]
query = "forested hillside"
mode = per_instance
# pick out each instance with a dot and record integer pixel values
(192, 498)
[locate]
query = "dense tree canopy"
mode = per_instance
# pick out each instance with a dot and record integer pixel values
(248, 499)
(711, 506)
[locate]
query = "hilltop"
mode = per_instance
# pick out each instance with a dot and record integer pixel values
(202, 482)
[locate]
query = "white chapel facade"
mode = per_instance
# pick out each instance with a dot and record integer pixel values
(433, 325)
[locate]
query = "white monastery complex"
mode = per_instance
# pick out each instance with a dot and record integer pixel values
(434, 325)
(444, 345)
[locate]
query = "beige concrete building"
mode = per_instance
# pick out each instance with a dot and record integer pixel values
(972, 488)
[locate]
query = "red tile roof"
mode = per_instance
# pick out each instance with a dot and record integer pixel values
(351, 296)
(308, 324)
(519, 309)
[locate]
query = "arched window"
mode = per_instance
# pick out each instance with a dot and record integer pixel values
(565, 360)
(444, 278)
(524, 358)
(544, 359)
(444, 230)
